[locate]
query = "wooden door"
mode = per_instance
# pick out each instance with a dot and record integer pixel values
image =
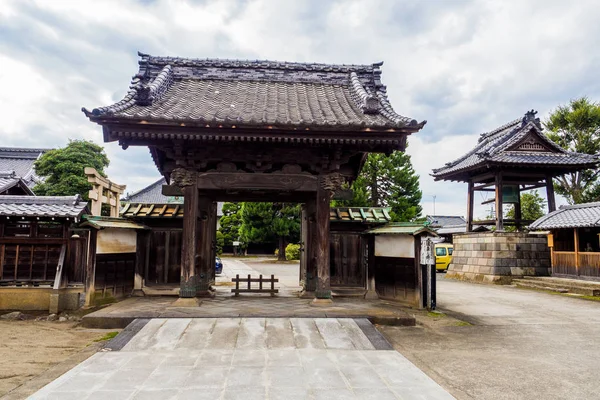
(347, 261)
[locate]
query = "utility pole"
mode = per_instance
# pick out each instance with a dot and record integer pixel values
(434, 196)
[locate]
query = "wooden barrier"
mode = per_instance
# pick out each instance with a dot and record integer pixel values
(250, 289)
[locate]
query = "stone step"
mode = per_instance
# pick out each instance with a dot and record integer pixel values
(565, 281)
(150, 291)
(556, 287)
(348, 292)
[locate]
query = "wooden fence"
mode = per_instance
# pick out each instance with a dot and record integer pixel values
(582, 264)
(260, 289)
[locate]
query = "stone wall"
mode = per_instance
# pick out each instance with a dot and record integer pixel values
(498, 257)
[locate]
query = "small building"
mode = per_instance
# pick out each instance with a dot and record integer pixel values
(17, 173)
(574, 240)
(42, 262)
(395, 269)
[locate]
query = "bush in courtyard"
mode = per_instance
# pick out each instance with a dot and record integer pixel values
(292, 252)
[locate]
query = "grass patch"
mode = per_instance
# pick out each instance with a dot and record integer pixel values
(108, 336)
(463, 323)
(435, 314)
(593, 298)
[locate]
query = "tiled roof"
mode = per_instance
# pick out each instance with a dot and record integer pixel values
(257, 93)
(42, 206)
(436, 221)
(498, 147)
(20, 161)
(462, 228)
(9, 179)
(158, 210)
(402, 229)
(100, 222)
(360, 214)
(153, 194)
(575, 216)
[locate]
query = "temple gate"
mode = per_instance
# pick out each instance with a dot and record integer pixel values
(234, 130)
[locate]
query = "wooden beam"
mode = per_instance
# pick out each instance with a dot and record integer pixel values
(60, 268)
(470, 199)
(499, 216)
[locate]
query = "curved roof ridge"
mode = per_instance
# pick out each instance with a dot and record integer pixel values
(239, 63)
(501, 128)
(388, 111)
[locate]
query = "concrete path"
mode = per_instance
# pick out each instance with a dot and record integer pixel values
(247, 358)
(521, 344)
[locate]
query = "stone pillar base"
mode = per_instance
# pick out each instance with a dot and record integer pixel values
(186, 302)
(321, 302)
(498, 257)
(371, 295)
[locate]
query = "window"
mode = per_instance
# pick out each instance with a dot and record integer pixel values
(440, 251)
(450, 250)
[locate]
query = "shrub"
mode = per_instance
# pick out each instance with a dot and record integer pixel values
(292, 252)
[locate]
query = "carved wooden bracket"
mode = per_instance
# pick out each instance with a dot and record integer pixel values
(332, 181)
(184, 177)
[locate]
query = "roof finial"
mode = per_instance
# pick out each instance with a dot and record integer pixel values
(530, 116)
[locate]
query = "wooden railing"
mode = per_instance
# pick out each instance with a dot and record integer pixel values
(260, 289)
(577, 264)
(29, 264)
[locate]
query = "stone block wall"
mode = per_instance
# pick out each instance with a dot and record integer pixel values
(498, 257)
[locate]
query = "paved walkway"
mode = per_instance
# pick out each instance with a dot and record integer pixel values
(255, 358)
(522, 344)
(285, 304)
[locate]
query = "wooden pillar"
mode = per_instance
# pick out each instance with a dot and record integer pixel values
(206, 261)
(550, 194)
(576, 239)
(499, 216)
(321, 241)
(470, 199)
(371, 284)
(140, 261)
(188, 284)
(303, 243)
(213, 240)
(518, 214)
(90, 269)
(311, 247)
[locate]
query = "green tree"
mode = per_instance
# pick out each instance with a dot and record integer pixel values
(532, 207)
(269, 223)
(230, 223)
(576, 127)
(387, 181)
(63, 169)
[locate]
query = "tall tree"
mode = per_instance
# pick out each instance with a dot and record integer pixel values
(230, 223)
(388, 181)
(576, 127)
(63, 169)
(270, 222)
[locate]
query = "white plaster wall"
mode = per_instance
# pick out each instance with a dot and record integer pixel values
(395, 246)
(113, 240)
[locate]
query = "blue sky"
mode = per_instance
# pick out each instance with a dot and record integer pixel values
(464, 66)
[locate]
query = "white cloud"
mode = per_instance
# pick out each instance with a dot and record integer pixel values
(465, 66)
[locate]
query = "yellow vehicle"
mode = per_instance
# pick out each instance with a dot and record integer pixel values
(443, 256)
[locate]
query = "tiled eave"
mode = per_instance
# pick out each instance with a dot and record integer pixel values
(142, 133)
(464, 175)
